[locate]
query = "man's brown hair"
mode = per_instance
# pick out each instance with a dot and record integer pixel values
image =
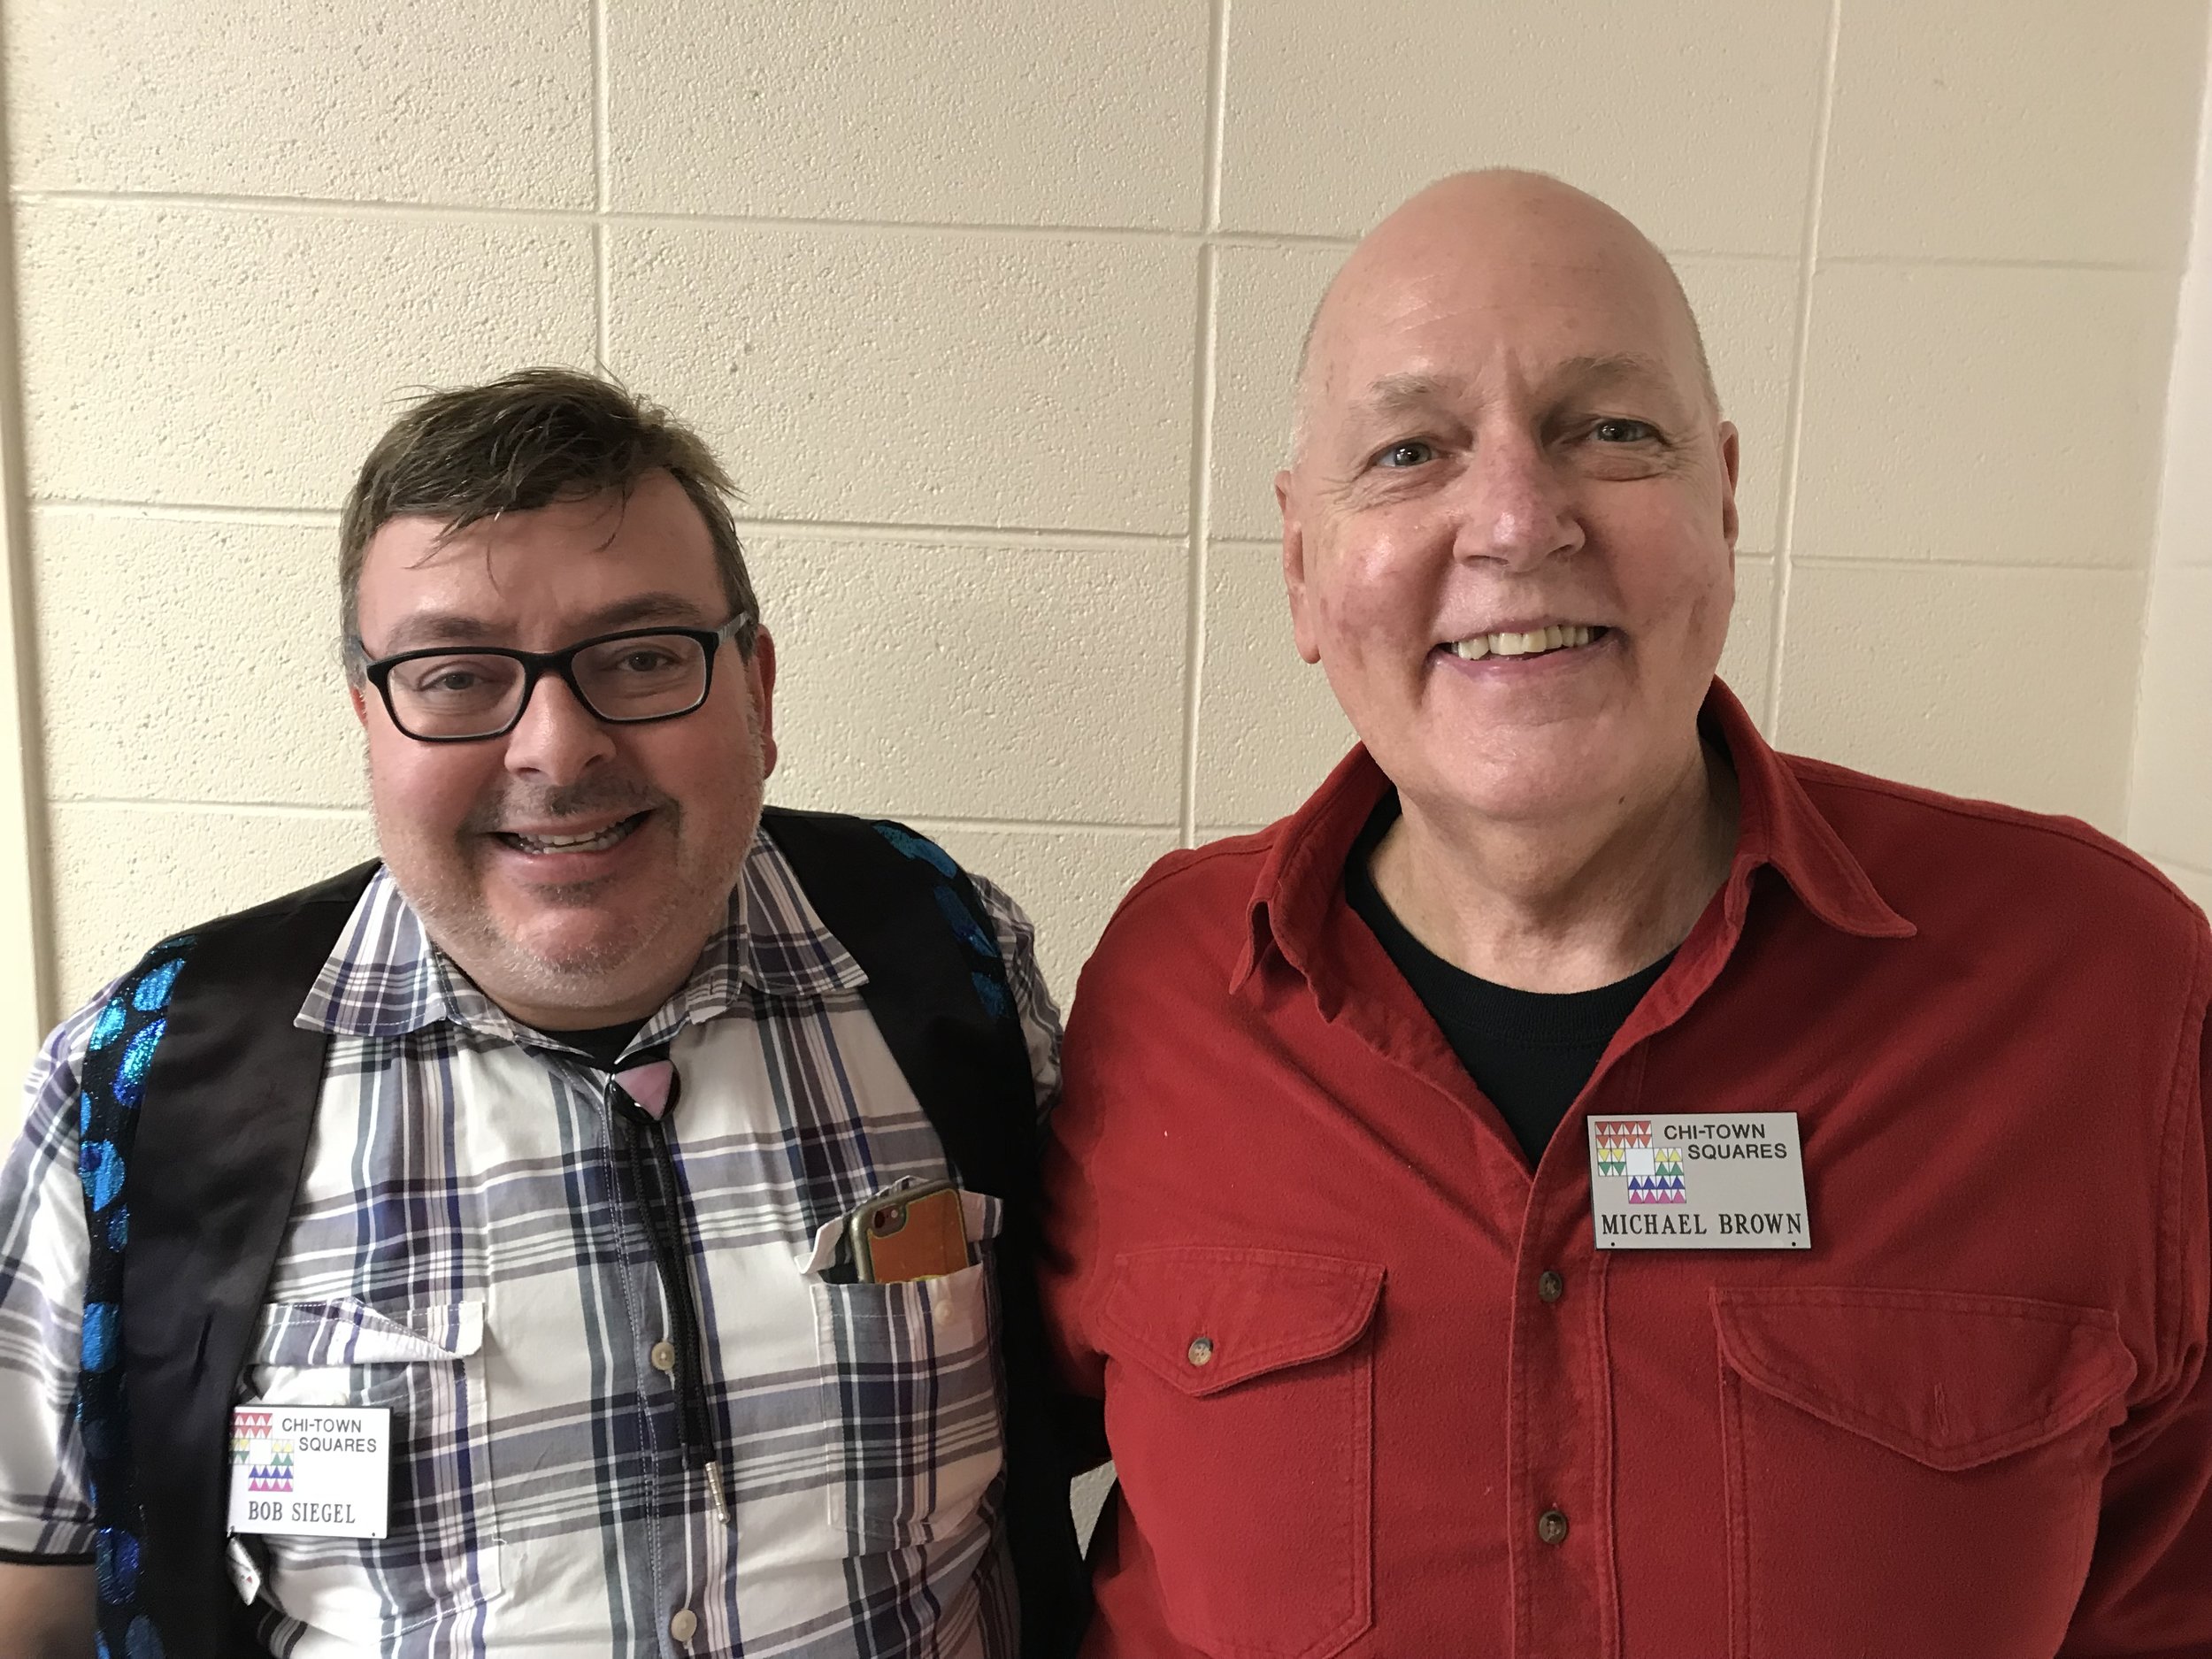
(523, 442)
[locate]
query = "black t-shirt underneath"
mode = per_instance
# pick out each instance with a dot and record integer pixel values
(1529, 1051)
(604, 1044)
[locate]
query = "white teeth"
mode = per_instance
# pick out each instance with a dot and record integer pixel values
(1557, 637)
(598, 842)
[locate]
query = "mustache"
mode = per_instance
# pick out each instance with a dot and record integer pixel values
(595, 799)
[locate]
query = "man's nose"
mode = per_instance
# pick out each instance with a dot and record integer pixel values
(558, 739)
(1519, 510)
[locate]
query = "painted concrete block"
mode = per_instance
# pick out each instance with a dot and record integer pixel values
(2012, 685)
(127, 877)
(958, 680)
(2014, 129)
(990, 112)
(2004, 415)
(2170, 813)
(192, 660)
(1695, 119)
(490, 104)
(247, 358)
(921, 376)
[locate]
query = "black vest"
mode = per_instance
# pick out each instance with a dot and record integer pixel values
(223, 1115)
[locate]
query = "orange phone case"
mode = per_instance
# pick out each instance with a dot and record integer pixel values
(926, 1238)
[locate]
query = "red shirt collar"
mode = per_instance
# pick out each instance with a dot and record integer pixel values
(1301, 881)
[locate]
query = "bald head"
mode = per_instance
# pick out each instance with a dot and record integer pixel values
(1497, 228)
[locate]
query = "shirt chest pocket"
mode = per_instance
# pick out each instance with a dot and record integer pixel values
(441, 1553)
(910, 1395)
(1911, 1472)
(1239, 1406)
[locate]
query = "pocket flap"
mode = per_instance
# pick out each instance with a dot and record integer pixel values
(1202, 1319)
(1947, 1379)
(347, 1333)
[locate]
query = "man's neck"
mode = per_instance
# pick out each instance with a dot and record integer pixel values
(1563, 906)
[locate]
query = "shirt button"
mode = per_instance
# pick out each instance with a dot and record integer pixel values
(1550, 1286)
(685, 1625)
(1551, 1527)
(1201, 1351)
(664, 1358)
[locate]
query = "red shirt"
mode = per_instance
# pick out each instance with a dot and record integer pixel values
(1362, 1367)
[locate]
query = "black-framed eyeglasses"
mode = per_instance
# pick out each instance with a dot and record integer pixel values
(447, 694)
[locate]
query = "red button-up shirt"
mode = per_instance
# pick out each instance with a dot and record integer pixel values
(1371, 1390)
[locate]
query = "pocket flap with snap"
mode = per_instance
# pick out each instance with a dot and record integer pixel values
(1205, 1318)
(347, 1333)
(1947, 1379)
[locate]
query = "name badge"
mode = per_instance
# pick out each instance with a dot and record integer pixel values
(1730, 1181)
(319, 1472)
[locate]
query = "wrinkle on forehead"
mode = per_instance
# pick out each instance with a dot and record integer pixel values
(1490, 240)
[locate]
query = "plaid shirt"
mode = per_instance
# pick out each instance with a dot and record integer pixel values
(462, 1251)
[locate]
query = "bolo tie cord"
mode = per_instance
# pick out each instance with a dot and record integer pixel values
(640, 1096)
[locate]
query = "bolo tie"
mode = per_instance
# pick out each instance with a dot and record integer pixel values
(640, 1097)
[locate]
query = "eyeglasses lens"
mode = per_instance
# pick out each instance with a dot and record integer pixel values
(463, 693)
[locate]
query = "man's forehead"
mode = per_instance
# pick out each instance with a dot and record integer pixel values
(1493, 269)
(590, 556)
(1469, 359)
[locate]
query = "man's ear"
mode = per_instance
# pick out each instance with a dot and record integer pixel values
(760, 686)
(1730, 459)
(1302, 619)
(358, 696)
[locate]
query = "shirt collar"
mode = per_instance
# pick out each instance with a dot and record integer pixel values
(385, 977)
(1300, 881)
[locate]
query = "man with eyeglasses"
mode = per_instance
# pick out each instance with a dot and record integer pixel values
(645, 1270)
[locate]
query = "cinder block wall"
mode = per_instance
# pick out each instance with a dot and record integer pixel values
(991, 307)
(2169, 814)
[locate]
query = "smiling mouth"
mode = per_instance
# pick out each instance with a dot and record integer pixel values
(1567, 636)
(599, 840)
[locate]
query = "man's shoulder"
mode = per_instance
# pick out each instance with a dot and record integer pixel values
(1193, 900)
(1921, 846)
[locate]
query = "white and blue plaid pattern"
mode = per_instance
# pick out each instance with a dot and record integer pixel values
(461, 1251)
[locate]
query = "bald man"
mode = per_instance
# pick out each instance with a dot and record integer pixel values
(1586, 1184)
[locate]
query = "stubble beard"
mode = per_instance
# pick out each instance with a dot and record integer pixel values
(608, 965)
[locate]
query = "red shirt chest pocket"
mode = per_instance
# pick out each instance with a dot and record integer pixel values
(1911, 1472)
(1239, 1406)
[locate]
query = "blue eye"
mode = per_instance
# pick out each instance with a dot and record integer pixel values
(1617, 431)
(1412, 452)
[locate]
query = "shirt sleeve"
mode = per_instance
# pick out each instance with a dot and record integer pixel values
(45, 1507)
(2149, 1589)
(1032, 998)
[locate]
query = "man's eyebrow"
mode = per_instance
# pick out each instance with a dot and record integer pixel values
(454, 628)
(1394, 394)
(1612, 367)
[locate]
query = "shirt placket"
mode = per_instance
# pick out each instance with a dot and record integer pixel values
(685, 1450)
(1559, 1421)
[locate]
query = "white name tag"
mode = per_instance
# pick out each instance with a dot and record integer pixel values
(318, 1470)
(1725, 1182)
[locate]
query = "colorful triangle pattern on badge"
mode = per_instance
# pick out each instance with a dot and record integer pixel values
(1615, 1138)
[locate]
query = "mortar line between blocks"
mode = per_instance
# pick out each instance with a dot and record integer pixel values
(599, 94)
(923, 821)
(312, 809)
(372, 208)
(1216, 111)
(1800, 354)
(1201, 515)
(244, 809)
(600, 277)
(791, 529)
(601, 293)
